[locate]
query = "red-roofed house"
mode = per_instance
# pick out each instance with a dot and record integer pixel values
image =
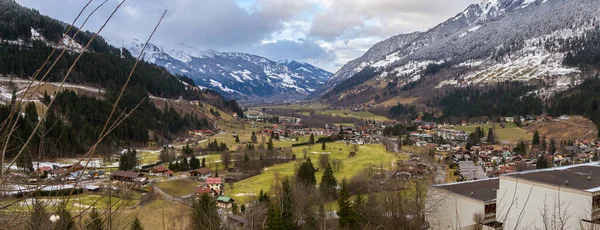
(204, 190)
(201, 173)
(215, 183)
(43, 169)
(169, 173)
(161, 170)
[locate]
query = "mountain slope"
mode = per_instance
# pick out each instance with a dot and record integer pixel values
(239, 75)
(78, 115)
(495, 40)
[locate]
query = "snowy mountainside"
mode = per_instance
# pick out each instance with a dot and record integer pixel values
(237, 75)
(495, 40)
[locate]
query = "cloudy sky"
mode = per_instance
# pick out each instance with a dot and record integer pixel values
(326, 33)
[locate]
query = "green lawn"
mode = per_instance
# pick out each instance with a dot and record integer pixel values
(367, 155)
(178, 187)
(510, 133)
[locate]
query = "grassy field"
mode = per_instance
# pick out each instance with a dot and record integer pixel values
(158, 214)
(367, 155)
(510, 133)
(178, 187)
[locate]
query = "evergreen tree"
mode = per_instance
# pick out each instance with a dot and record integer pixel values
(544, 145)
(171, 166)
(184, 165)
(204, 214)
(552, 148)
(136, 224)
(274, 220)
(490, 137)
(270, 144)
(323, 146)
(328, 183)
(237, 139)
(203, 165)
(243, 208)
(346, 213)
(95, 221)
(254, 138)
(194, 163)
(536, 139)
(287, 205)
(311, 139)
(306, 174)
(263, 197)
(542, 162)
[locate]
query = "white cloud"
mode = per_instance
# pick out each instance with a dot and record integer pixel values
(332, 31)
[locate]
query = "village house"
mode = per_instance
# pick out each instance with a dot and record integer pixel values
(215, 183)
(205, 190)
(225, 202)
(128, 177)
(161, 170)
(200, 174)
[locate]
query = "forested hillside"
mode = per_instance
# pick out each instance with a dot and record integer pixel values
(582, 100)
(75, 120)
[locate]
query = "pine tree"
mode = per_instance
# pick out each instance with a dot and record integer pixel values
(204, 214)
(536, 139)
(184, 165)
(194, 163)
(95, 221)
(490, 137)
(237, 139)
(270, 144)
(306, 174)
(552, 149)
(274, 220)
(542, 162)
(203, 165)
(287, 205)
(136, 224)
(254, 138)
(311, 139)
(328, 183)
(323, 146)
(347, 217)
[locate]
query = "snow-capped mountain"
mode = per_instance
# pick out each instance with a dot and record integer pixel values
(492, 41)
(238, 75)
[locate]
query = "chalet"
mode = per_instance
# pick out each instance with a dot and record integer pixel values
(225, 202)
(204, 190)
(74, 167)
(161, 170)
(43, 170)
(128, 177)
(56, 173)
(200, 174)
(215, 183)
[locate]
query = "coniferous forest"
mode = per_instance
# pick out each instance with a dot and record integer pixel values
(75, 121)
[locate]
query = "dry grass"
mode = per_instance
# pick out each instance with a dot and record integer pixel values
(575, 128)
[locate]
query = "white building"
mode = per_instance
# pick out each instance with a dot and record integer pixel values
(563, 197)
(463, 205)
(556, 198)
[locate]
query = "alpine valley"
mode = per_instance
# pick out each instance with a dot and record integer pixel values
(240, 76)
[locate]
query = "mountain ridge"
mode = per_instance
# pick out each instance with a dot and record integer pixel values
(511, 37)
(238, 75)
